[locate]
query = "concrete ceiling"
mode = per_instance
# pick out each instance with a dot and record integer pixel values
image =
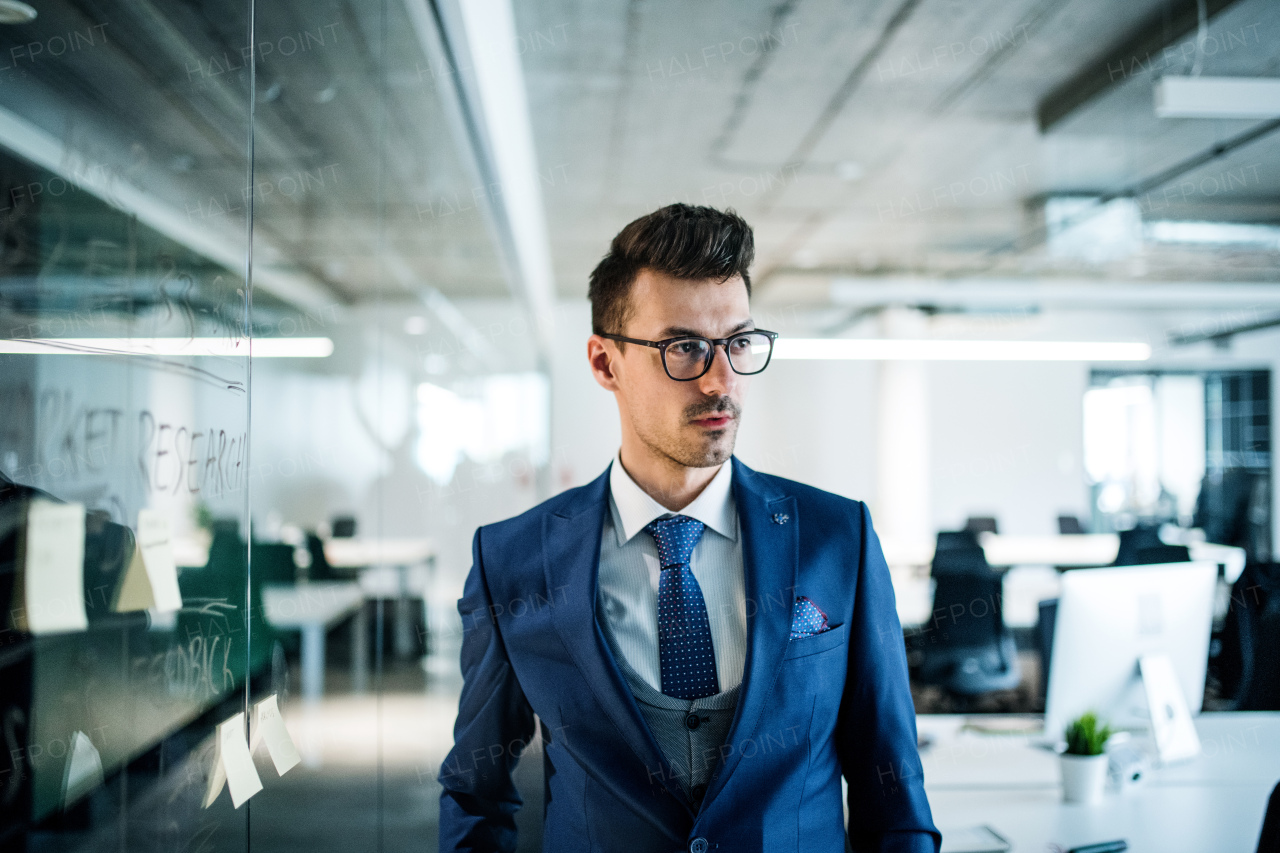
(882, 138)
(885, 137)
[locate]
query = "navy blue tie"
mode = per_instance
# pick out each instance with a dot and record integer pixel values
(685, 653)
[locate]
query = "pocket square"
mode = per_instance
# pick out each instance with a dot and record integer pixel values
(808, 619)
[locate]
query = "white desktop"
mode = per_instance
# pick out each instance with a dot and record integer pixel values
(1108, 619)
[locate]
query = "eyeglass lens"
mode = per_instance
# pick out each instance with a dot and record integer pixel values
(689, 358)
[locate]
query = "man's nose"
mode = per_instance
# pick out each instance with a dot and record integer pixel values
(720, 379)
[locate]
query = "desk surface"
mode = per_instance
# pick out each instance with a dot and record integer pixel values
(1087, 549)
(1213, 802)
(318, 603)
(354, 553)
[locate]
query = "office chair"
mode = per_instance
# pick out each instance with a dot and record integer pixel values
(1134, 540)
(1248, 667)
(273, 563)
(981, 524)
(1269, 840)
(343, 526)
(320, 569)
(1048, 619)
(963, 540)
(1069, 525)
(967, 648)
(1163, 554)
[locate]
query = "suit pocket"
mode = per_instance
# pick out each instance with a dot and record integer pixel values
(829, 639)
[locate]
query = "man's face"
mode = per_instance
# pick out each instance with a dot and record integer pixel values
(693, 423)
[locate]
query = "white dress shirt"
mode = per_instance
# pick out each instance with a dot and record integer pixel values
(627, 598)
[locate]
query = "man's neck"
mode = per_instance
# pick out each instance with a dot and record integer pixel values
(671, 484)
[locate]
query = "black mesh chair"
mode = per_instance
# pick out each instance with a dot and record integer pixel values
(1269, 840)
(1248, 667)
(981, 524)
(1163, 554)
(1134, 540)
(320, 569)
(967, 649)
(957, 540)
(1069, 525)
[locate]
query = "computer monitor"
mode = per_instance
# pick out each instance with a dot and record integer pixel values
(1107, 619)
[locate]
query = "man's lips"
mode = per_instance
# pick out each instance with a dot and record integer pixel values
(714, 421)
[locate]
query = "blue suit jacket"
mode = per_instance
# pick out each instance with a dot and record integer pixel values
(809, 710)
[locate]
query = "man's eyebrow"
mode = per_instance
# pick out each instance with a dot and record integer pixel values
(676, 331)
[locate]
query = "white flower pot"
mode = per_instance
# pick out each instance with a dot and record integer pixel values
(1084, 777)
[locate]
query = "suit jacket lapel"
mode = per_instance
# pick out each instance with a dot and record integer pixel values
(770, 557)
(571, 550)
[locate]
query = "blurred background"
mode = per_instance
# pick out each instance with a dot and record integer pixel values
(303, 287)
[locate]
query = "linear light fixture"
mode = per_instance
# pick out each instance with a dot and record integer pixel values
(256, 347)
(902, 349)
(1218, 97)
(1213, 233)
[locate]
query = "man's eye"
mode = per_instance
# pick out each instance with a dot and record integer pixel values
(685, 347)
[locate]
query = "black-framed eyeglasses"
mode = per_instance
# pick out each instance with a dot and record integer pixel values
(689, 357)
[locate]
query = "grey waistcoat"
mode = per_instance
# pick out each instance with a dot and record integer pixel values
(690, 731)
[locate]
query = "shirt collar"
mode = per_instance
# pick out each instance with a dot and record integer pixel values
(714, 507)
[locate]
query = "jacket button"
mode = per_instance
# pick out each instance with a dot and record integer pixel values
(698, 845)
(692, 721)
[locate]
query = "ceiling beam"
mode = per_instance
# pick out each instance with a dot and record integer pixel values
(471, 45)
(1141, 52)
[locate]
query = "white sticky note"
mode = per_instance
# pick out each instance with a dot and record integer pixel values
(232, 764)
(52, 576)
(269, 726)
(217, 776)
(157, 555)
(83, 771)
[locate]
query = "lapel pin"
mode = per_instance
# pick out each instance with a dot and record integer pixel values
(781, 518)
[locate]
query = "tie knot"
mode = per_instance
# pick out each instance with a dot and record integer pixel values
(676, 538)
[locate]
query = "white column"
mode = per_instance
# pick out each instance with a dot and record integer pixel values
(903, 511)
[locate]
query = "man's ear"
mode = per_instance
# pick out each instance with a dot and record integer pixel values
(601, 355)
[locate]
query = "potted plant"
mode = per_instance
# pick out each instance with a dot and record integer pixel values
(1084, 763)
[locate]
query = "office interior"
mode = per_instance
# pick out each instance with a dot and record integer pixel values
(293, 298)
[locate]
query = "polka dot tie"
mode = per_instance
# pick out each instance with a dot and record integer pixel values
(685, 653)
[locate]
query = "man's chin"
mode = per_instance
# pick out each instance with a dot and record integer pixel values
(714, 449)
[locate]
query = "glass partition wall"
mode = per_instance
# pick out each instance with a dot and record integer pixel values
(256, 321)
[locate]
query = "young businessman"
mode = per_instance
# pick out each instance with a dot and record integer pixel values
(707, 649)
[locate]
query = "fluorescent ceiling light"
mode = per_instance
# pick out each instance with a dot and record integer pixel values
(1213, 233)
(257, 347)
(1218, 97)
(895, 349)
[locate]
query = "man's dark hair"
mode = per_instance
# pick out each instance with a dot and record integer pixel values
(680, 240)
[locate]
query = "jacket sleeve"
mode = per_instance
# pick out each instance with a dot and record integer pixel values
(876, 733)
(495, 722)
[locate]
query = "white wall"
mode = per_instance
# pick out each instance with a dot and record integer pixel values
(1005, 439)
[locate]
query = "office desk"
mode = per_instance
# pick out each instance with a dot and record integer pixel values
(1091, 549)
(1079, 550)
(1214, 802)
(1024, 587)
(395, 568)
(312, 609)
